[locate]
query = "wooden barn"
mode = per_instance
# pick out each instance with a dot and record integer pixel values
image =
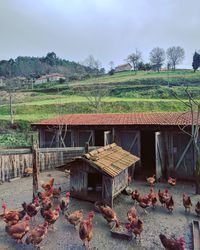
(156, 138)
(101, 174)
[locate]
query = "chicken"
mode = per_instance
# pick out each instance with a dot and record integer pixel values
(48, 185)
(12, 217)
(132, 214)
(173, 243)
(163, 196)
(187, 202)
(86, 229)
(171, 181)
(129, 179)
(64, 203)
(56, 193)
(136, 228)
(75, 217)
(109, 214)
(18, 230)
(151, 180)
(51, 216)
(28, 171)
(46, 194)
(145, 202)
(32, 208)
(197, 208)
(135, 195)
(46, 204)
(152, 195)
(170, 204)
(36, 235)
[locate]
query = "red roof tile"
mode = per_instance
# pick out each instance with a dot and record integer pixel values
(150, 118)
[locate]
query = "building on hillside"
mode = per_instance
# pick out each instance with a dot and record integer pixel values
(101, 174)
(154, 137)
(50, 78)
(123, 67)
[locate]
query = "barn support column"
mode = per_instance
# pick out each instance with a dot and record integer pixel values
(41, 138)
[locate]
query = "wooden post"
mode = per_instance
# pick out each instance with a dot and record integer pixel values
(35, 170)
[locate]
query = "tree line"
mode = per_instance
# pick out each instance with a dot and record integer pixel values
(34, 67)
(157, 57)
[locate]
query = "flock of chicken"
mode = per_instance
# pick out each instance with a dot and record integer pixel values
(18, 222)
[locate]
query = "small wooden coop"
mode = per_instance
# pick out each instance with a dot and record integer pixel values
(101, 174)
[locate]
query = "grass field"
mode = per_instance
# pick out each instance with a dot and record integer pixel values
(127, 92)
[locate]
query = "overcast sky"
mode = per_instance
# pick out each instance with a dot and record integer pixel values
(107, 29)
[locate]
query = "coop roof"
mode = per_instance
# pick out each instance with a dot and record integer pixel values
(146, 118)
(110, 159)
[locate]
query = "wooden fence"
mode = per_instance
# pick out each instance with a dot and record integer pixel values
(13, 162)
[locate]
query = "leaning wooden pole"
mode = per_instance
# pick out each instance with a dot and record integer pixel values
(35, 170)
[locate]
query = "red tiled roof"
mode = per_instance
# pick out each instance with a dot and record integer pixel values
(150, 118)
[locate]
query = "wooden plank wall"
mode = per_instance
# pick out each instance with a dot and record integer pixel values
(14, 161)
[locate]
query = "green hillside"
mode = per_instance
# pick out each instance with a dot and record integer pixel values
(125, 92)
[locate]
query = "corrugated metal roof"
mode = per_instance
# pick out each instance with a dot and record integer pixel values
(111, 159)
(148, 118)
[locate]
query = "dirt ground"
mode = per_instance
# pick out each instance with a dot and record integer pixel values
(66, 237)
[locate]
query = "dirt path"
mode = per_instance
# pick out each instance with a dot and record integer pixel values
(65, 237)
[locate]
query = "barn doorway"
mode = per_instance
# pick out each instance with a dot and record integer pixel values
(95, 185)
(99, 137)
(102, 137)
(148, 154)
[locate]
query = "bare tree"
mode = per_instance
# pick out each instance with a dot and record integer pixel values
(93, 64)
(192, 130)
(157, 58)
(175, 56)
(134, 59)
(111, 64)
(95, 95)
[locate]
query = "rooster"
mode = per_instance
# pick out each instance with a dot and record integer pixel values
(75, 217)
(136, 228)
(173, 243)
(197, 208)
(132, 214)
(86, 229)
(18, 230)
(109, 214)
(36, 235)
(48, 185)
(12, 217)
(151, 180)
(171, 181)
(187, 202)
(64, 203)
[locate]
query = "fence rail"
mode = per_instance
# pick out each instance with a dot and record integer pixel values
(13, 162)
